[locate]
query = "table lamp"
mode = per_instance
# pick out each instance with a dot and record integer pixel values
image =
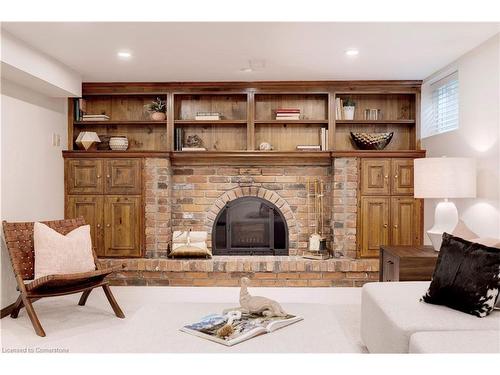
(444, 178)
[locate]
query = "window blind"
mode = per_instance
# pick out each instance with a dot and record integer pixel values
(444, 113)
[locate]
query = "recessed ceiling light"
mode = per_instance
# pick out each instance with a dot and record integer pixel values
(352, 52)
(124, 55)
(246, 70)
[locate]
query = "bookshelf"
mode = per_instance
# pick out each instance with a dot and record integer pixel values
(397, 113)
(248, 114)
(127, 117)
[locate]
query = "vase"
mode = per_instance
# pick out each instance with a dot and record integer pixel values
(349, 112)
(118, 143)
(158, 116)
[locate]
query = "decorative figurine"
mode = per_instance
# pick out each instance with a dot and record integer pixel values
(255, 304)
(265, 146)
(194, 141)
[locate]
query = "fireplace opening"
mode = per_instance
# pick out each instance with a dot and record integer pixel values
(250, 226)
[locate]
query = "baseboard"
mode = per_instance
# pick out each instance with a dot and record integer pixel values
(7, 310)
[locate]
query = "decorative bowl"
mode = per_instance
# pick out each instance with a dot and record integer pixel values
(371, 141)
(118, 143)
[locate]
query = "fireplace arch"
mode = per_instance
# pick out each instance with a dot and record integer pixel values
(250, 226)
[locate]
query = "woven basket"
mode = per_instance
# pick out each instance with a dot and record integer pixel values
(371, 141)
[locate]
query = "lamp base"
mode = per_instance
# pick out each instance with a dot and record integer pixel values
(445, 220)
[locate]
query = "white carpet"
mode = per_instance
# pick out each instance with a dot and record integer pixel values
(155, 314)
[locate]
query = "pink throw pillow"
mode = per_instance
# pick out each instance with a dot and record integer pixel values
(56, 254)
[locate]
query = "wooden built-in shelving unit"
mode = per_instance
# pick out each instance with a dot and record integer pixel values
(249, 114)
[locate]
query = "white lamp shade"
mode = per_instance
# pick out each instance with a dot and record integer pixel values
(445, 178)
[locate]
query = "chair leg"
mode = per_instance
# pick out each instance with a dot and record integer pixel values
(118, 312)
(83, 298)
(34, 319)
(17, 307)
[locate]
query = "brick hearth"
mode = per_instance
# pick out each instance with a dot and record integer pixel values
(182, 197)
(263, 270)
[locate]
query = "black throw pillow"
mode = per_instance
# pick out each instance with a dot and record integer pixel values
(466, 277)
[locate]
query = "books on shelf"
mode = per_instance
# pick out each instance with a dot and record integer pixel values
(309, 147)
(208, 116)
(193, 149)
(94, 118)
(244, 328)
(372, 114)
(80, 109)
(324, 139)
(339, 109)
(178, 138)
(288, 114)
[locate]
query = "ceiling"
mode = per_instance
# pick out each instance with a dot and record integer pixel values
(218, 51)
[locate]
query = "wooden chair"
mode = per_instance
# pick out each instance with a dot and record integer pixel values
(19, 240)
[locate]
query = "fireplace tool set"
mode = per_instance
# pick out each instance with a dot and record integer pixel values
(317, 248)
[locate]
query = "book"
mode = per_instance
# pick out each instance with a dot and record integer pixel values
(178, 138)
(208, 114)
(309, 147)
(193, 149)
(207, 117)
(94, 118)
(247, 327)
(288, 110)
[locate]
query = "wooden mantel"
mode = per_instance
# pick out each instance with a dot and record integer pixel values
(313, 158)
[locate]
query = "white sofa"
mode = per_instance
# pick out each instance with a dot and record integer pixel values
(393, 320)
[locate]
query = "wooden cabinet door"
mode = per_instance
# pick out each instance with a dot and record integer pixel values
(406, 221)
(375, 176)
(91, 208)
(84, 176)
(374, 225)
(122, 230)
(123, 176)
(402, 177)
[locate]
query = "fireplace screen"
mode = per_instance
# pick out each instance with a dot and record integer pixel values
(250, 226)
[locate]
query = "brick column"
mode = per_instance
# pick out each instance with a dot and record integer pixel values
(158, 230)
(345, 206)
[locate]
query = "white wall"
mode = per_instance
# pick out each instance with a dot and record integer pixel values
(23, 63)
(32, 184)
(478, 135)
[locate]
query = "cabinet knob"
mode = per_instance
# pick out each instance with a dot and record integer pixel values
(108, 225)
(98, 176)
(396, 176)
(98, 225)
(386, 176)
(108, 176)
(395, 226)
(385, 225)
(390, 262)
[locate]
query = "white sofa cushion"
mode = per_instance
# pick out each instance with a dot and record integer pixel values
(455, 342)
(391, 312)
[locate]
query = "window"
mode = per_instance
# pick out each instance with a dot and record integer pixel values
(442, 114)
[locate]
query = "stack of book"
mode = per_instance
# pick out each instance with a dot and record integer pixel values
(178, 138)
(288, 114)
(208, 116)
(309, 147)
(94, 118)
(323, 146)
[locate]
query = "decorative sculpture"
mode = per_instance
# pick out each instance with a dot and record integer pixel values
(256, 304)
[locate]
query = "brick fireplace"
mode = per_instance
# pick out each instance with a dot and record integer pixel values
(192, 196)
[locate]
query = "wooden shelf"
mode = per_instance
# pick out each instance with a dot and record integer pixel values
(210, 122)
(375, 122)
(114, 154)
(298, 122)
(316, 158)
(378, 153)
(111, 122)
(244, 157)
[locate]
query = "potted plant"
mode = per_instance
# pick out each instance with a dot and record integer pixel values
(349, 107)
(157, 109)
